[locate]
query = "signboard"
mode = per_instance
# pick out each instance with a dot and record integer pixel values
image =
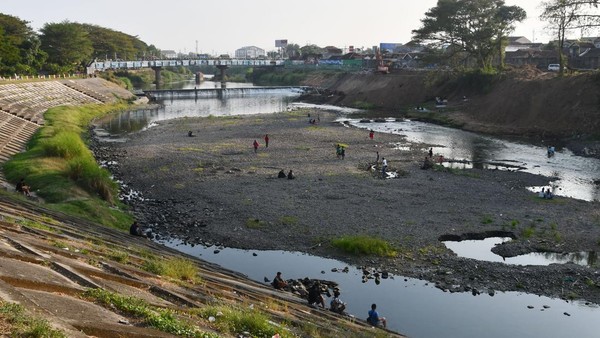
(280, 43)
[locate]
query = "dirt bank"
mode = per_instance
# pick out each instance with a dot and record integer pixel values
(525, 102)
(213, 188)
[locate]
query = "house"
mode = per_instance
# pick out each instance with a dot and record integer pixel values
(168, 54)
(538, 58)
(520, 42)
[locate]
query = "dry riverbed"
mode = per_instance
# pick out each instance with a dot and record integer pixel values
(214, 189)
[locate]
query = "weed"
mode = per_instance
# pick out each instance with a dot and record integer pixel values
(364, 245)
(233, 320)
(119, 256)
(37, 225)
(162, 319)
(255, 223)
(23, 325)
(514, 223)
(487, 219)
(177, 268)
(528, 232)
(288, 220)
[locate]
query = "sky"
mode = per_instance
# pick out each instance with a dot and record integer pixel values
(222, 26)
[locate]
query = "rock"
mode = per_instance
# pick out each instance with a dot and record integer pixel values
(217, 251)
(334, 270)
(384, 275)
(546, 306)
(567, 314)
(254, 254)
(530, 306)
(491, 292)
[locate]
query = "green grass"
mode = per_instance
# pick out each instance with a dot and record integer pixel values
(62, 170)
(364, 245)
(288, 220)
(162, 319)
(255, 223)
(24, 325)
(177, 268)
(528, 232)
(487, 219)
(233, 320)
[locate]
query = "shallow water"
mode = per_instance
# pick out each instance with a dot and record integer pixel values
(568, 175)
(481, 250)
(414, 307)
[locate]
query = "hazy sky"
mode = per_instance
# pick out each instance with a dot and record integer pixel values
(222, 26)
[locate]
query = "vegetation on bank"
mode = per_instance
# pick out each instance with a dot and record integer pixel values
(364, 245)
(62, 170)
(144, 78)
(15, 319)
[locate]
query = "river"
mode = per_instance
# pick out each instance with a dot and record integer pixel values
(413, 307)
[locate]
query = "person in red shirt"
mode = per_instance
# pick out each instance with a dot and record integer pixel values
(266, 140)
(371, 134)
(255, 144)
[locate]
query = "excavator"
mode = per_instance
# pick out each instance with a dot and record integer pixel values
(381, 67)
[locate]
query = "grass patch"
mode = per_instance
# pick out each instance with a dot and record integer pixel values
(61, 169)
(487, 219)
(255, 223)
(20, 324)
(233, 320)
(162, 319)
(288, 220)
(364, 245)
(37, 225)
(176, 268)
(528, 232)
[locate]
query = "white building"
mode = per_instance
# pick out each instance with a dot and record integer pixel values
(249, 52)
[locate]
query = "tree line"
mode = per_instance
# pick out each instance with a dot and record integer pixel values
(63, 47)
(460, 31)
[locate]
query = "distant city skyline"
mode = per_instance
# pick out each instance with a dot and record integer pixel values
(222, 27)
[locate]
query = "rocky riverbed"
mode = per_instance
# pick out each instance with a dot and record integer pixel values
(213, 188)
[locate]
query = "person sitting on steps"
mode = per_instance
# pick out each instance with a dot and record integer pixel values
(22, 187)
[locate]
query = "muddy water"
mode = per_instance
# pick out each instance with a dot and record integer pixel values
(414, 307)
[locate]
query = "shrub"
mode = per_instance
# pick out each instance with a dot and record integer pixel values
(358, 245)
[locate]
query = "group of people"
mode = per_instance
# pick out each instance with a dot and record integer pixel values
(255, 144)
(546, 193)
(316, 299)
(290, 174)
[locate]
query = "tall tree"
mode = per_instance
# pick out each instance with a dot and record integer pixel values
(474, 27)
(68, 46)
(19, 47)
(564, 16)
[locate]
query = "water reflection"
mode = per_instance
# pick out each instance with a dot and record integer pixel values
(572, 176)
(414, 307)
(482, 250)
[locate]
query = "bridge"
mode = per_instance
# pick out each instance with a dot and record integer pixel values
(156, 65)
(218, 92)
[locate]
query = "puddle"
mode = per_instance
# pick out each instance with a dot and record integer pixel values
(415, 307)
(482, 250)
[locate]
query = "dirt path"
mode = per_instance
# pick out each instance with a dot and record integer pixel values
(213, 188)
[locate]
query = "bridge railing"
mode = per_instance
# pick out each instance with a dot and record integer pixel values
(104, 65)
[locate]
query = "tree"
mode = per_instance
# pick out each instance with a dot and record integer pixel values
(474, 27)
(564, 16)
(311, 50)
(292, 50)
(19, 47)
(68, 46)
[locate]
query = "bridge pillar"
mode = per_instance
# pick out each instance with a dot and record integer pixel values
(222, 69)
(157, 77)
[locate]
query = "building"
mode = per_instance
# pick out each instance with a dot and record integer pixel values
(168, 54)
(516, 43)
(249, 52)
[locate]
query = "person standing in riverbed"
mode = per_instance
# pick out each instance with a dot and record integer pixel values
(255, 144)
(371, 134)
(266, 140)
(383, 167)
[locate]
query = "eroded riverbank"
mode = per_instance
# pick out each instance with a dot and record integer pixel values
(213, 188)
